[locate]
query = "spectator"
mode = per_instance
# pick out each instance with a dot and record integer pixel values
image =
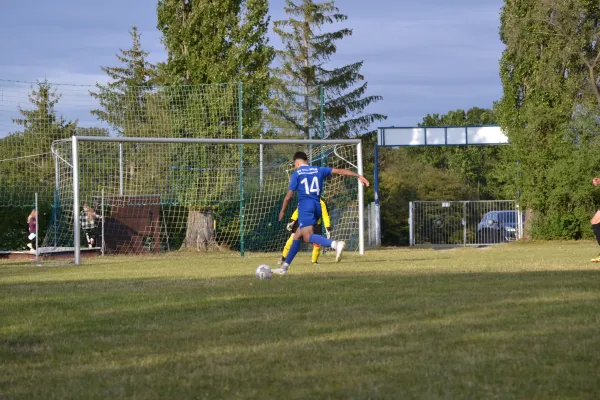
(32, 221)
(88, 223)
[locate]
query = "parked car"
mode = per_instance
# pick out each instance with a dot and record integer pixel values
(498, 227)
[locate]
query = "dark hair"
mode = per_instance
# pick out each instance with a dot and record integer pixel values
(300, 155)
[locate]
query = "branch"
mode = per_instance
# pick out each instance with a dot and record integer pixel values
(593, 84)
(597, 59)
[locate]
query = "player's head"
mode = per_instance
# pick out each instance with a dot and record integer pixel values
(300, 158)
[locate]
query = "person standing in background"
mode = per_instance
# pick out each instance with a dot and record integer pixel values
(32, 222)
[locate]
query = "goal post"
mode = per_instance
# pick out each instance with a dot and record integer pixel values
(161, 194)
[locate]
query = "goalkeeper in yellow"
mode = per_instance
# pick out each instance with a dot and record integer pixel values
(292, 226)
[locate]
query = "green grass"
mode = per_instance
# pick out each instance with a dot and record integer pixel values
(519, 321)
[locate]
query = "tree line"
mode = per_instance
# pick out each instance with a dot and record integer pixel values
(219, 59)
(549, 109)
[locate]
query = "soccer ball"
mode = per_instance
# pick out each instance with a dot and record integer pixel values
(264, 272)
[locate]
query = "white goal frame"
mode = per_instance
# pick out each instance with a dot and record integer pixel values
(75, 154)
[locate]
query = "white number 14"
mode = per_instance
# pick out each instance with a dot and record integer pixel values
(314, 185)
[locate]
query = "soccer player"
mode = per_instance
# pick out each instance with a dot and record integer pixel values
(596, 221)
(308, 182)
(293, 227)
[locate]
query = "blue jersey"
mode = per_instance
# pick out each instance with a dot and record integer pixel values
(308, 182)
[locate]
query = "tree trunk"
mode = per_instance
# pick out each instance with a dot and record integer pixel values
(529, 216)
(200, 232)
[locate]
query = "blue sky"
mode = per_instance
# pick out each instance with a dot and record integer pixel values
(426, 56)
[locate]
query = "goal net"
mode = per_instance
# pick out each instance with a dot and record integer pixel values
(153, 195)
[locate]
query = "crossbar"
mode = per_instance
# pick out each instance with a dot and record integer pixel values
(213, 141)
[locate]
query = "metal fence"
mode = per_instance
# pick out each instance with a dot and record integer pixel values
(464, 223)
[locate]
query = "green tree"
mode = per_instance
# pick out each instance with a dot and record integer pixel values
(217, 44)
(478, 165)
(220, 44)
(576, 23)
(406, 177)
(434, 173)
(27, 165)
(215, 41)
(131, 107)
(124, 99)
(303, 71)
(549, 95)
(41, 125)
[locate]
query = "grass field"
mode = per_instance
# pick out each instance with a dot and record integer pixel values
(517, 321)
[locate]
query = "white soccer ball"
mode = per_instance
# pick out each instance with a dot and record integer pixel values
(264, 272)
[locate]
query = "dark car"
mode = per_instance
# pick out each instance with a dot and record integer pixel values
(498, 227)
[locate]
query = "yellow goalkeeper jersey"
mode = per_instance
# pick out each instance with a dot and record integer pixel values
(324, 214)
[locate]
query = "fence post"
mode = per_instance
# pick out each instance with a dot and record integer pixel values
(261, 167)
(372, 236)
(464, 222)
(519, 222)
(241, 164)
(121, 171)
(102, 220)
(37, 230)
(411, 225)
(56, 204)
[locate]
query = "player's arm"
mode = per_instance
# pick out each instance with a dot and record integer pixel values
(286, 202)
(347, 172)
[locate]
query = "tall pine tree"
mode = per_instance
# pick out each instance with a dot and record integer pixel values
(303, 71)
(124, 99)
(41, 126)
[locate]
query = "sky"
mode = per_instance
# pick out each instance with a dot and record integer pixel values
(422, 57)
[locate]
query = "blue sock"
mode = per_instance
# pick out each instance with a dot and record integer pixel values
(293, 251)
(320, 240)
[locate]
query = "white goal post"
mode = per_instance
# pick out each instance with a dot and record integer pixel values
(251, 172)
